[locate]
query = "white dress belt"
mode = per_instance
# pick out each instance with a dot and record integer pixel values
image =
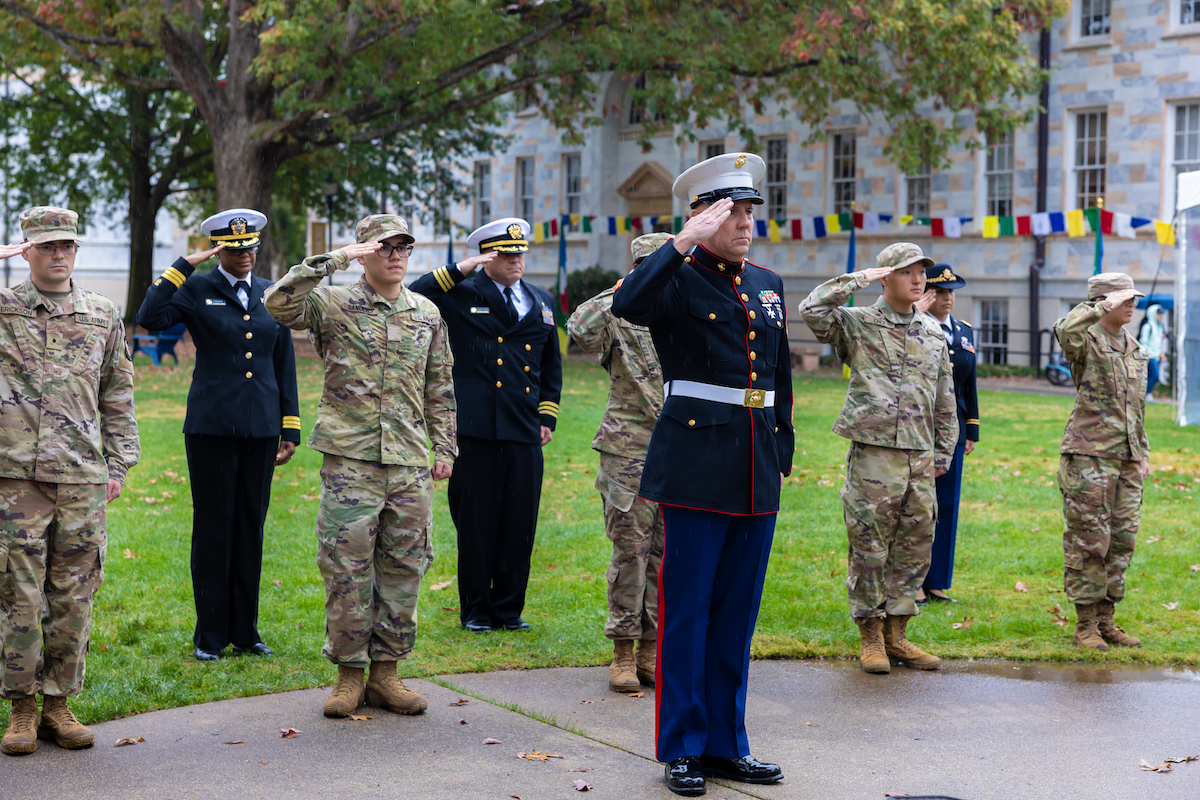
(750, 398)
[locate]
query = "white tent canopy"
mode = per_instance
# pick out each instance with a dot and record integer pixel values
(1187, 298)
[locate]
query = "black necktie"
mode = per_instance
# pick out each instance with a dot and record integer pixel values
(510, 305)
(242, 286)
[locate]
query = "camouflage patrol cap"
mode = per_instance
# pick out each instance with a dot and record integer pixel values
(901, 255)
(42, 224)
(378, 227)
(1108, 282)
(643, 246)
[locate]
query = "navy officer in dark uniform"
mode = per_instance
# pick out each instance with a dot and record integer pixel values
(243, 420)
(508, 382)
(715, 463)
(938, 301)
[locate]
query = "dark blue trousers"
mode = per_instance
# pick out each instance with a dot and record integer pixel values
(941, 561)
(710, 586)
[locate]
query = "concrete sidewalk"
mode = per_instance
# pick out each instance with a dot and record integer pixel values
(972, 730)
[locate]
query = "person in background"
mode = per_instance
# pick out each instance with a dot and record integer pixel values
(633, 524)
(243, 420)
(1152, 337)
(938, 302)
(1105, 456)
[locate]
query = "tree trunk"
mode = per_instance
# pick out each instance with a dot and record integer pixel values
(143, 206)
(245, 171)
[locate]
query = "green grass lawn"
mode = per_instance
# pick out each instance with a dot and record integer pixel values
(1010, 533)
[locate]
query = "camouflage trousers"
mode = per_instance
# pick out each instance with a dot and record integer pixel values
(53, 538)
(890, 505)
(373, 548)
(1102, 506)
(635, 528)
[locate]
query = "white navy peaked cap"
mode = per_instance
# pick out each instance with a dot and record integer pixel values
(236, 228)
(507, 235)
(732, 175)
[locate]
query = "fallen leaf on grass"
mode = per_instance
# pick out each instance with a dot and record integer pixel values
(1195, 567)
(1153, 539)
(359, 717)
(1170, 606)
(239, 741)
(490, 740)
(288, 733)
(966, 623)
(309, 497)
(462, 701)
(537, 755)
(1021, 586)
(437, 587)
(581, 785)
(128, 740)
(277, 582)
(1057, 613)
(129, 553)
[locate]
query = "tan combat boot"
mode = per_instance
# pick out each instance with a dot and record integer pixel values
(386, 690)
(1087, 632)
(647, 661)
(871, 656)
(897, 645)
(21, 737)
(59, 724)
(622, 672)
(347, 695)
(1109, 630)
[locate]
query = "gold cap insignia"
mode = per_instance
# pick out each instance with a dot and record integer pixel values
(740, 161)
(514, 231)
(947, 275)
(238, 226)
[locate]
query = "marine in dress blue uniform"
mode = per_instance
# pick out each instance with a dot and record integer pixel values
(960, 339)
(508, 383)
(242, 402)
(714, 463)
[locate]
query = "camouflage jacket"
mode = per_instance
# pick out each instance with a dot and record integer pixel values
(901, 390)
(388, 366)
(1109, 415)
(635, 382)
(66, 380)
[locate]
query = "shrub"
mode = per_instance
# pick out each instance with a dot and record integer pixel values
(583, 284)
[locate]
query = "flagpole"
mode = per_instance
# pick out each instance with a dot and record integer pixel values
(849, 268)
(1099, 265)
(560, 310)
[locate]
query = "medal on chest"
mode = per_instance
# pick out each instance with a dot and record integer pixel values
(772, 304)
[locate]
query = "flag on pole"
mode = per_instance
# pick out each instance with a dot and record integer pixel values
(560, 308)
(850, 260)
(1092, 215)
(449, 249)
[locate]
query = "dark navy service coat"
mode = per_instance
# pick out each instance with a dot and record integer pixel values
(724, 324)
(244, 383)
(962, 359)
(507, 377)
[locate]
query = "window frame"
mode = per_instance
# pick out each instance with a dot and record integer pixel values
(640, 83)
(569, 196)
(776, 190)
(525, 187)
(925, 177)
(992, 337)
(1077, 18)
(1175, 24)
(1077, 169)
(991, 198)
(481, 206)
(842, 204)
(710, 148)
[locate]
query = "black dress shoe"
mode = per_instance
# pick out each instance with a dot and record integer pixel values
(475, 626)
(256, 649)
(205, 655)
(938, 598)
(684, 776)
(517, 624)
(746, 769)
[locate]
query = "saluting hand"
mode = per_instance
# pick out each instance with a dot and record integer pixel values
(357, 250)
(875, 273)
(702, 226)
(200, 256)
(467, 264)
(9, 250)
(926, 302)
(1117, 298)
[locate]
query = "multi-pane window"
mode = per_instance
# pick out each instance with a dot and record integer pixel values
(525, 189)
(637, 108)
(1189, 12)
(998, 171)
(1091, 155)
(1187, 137)
(844, 171)
(483, 193)
(712, 149)
(916, 187)
(1095, 17)
(992, 332)
(573, 186)
(777, 175)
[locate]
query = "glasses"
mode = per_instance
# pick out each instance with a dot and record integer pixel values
(67, 248)
(402, 250)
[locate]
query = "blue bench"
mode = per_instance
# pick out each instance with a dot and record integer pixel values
(157, 344)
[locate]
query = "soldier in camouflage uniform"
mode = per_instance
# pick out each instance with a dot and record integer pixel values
(388, 387)
(67, 438)
(635, 399)
(1105, 455)
(900, 417)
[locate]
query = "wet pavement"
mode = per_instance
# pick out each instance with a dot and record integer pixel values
(973, 730)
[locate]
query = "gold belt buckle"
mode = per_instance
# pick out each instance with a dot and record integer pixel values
(755, 398)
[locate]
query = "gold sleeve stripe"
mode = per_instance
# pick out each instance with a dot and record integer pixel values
(972, 422)
(549, 409)
(175, 276)
(291, 422)
(442, 276)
